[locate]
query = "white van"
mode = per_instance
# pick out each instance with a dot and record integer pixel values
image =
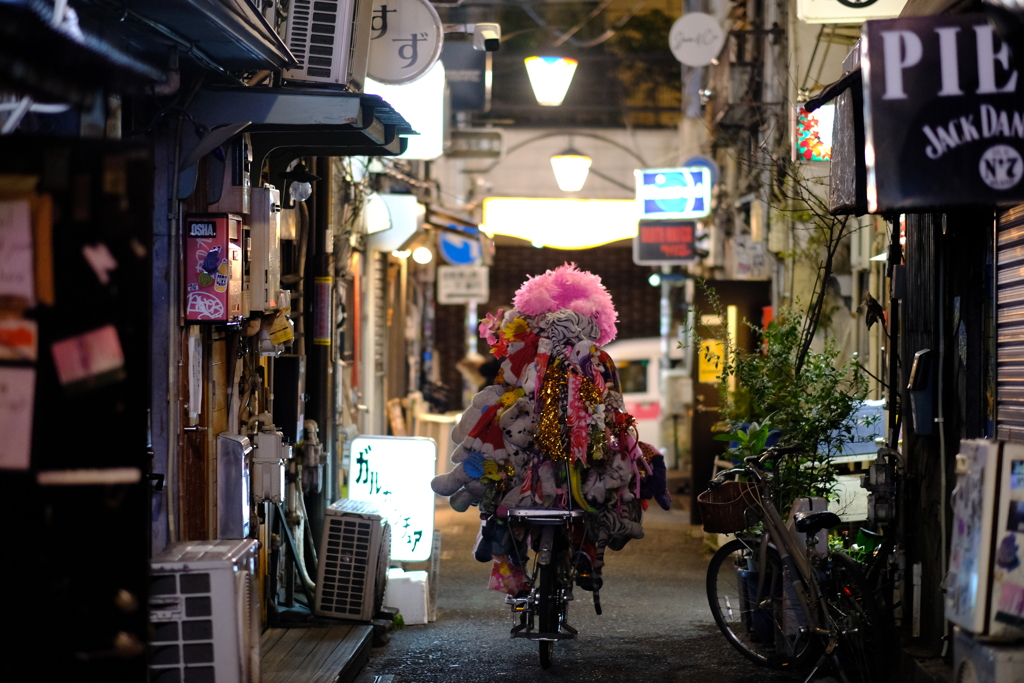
(638, 362)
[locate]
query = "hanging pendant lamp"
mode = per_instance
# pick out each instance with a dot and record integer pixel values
(550, 78)
(571, 169)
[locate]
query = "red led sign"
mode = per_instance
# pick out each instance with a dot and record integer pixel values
(665, 242)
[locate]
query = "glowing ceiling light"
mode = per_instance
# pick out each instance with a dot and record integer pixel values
(571, 170)
(550, 78)
(401, 253)
(422, 255)
(562, 223)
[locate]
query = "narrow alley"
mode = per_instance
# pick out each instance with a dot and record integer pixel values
(656, 626)
(301, 298)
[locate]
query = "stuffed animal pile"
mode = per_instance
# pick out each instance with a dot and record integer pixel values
(552, 432)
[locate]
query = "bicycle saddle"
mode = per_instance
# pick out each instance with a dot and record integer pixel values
(813, 522)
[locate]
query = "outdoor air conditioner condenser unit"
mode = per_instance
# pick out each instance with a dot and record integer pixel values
(331, 41)
(205, 613)
(355, 552)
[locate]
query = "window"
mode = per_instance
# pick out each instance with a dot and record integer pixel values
(633, 376)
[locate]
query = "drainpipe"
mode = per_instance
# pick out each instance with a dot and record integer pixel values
(319, 366)
(941, 422)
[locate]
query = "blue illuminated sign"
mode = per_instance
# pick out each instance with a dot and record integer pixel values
(668, 193)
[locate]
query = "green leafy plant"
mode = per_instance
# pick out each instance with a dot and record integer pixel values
(787, 386)
(751, 441)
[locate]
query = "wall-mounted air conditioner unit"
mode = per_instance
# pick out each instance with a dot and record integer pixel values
(205, 613)
(331, 41)
(355, 551)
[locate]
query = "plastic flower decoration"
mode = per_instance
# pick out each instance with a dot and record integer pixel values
(489, 326)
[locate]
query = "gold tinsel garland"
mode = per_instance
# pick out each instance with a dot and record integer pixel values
(589, 393)
(548, 433)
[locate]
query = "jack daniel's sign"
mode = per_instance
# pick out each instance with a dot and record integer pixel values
(943, 114)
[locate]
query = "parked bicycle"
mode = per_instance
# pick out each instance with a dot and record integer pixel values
(540, 612)
(781, 597)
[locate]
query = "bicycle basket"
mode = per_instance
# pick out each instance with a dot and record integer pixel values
(723, 508)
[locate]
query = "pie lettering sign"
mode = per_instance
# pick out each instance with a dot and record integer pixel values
(943, 114)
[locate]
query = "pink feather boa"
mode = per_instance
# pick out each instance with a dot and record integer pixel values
(572, 288)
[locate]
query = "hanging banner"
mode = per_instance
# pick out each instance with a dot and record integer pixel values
(322, 311)
(468, 71)
(943, 114)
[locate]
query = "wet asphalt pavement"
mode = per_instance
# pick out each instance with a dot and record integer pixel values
(656, 626)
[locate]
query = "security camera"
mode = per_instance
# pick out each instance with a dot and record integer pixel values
(487, 37)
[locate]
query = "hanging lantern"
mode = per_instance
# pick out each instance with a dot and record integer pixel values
(550, 78)
(571, 170)
(422, 255)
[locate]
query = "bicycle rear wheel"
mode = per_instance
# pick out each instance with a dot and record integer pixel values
(547, 613)
(863, 632)
(769, 628)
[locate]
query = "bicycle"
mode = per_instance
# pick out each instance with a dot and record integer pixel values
(540, 612)
(780, 604)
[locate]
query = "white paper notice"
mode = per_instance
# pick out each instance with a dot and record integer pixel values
(16, 255)
(17, 392)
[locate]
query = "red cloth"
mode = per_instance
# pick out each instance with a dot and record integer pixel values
(525, 355)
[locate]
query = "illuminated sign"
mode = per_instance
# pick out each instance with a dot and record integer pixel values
(422, 104)
(812, 133)
(674, 192)
(394, 474)
(665, 242)
(561, 223)
(846, 11)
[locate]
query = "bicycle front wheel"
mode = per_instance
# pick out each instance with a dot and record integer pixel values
(751, 606)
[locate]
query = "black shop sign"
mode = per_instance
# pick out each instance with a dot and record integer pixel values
(943, 114)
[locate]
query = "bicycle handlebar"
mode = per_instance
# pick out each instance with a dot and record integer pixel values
(772, 453)
(779, 451)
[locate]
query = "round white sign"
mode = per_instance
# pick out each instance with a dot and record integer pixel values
(696, 39)
(405, 40)
(1001, 167)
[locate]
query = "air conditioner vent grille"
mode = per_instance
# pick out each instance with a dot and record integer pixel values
(330, 41)
(186, 640)
(345, 571)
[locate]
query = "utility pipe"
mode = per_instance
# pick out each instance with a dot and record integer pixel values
(940, 301)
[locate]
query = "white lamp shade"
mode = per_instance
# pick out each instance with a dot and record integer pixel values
(550, 78)
(571, 169)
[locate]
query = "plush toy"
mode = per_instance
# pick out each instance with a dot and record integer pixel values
(656, 484)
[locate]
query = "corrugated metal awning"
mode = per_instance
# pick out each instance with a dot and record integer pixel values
(287, 123)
